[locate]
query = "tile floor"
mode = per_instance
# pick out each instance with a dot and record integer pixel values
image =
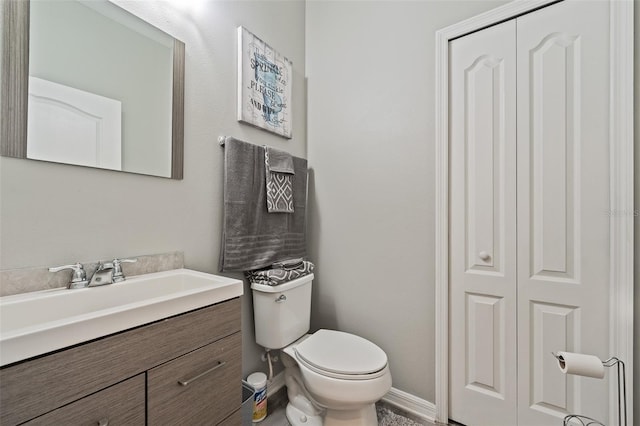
(386, 417)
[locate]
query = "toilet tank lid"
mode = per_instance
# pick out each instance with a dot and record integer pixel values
(339, 352)
(284, 286)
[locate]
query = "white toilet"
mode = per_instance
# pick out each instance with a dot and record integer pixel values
(333, 378)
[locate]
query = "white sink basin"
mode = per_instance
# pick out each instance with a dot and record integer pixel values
(39, 322)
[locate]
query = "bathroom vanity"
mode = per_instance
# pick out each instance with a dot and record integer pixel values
(179, 369)
(107, 381)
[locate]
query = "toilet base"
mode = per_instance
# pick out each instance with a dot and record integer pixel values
(365, 416)
(298, 418)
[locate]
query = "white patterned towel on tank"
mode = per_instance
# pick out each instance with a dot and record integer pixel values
(280, 272)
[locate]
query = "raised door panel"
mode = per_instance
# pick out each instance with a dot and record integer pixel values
(563, 197)
(553, 326)
(553, 159)
(485, 146)
(482, 234)
(486, 345)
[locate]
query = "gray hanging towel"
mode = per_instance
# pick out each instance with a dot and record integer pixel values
(251, 237)
(280, 161)
(279, 173)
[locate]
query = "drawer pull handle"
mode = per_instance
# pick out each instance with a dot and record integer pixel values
(103, 422)
(204, 373)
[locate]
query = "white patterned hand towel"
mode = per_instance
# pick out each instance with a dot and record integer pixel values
(280, 273)
(279, 180)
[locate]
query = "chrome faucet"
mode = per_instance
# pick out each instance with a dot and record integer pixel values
(103, 274)
(109, 272)
(106, 273)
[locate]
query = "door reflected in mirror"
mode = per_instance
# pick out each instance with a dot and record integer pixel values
(104, 88)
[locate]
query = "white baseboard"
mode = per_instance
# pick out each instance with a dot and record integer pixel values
(275, 384)
(411, 404)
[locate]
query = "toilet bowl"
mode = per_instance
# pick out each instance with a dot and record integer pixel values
(343, 376)
(333, 378)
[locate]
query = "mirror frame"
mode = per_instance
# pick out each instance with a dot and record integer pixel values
(14, 93)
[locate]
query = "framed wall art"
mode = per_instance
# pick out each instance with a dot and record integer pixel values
(264, 85)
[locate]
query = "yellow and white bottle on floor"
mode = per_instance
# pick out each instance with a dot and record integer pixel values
(259, 383)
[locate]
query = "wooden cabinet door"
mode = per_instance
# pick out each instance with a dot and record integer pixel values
(202, 387)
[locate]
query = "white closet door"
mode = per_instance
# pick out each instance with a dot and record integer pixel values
(563, 197)
(483, 225)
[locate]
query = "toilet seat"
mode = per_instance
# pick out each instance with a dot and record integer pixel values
(341, 355)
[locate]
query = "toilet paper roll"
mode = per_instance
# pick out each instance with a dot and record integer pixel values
(580, 364)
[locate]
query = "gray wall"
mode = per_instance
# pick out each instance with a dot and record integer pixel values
(370, 77)
(53, 214)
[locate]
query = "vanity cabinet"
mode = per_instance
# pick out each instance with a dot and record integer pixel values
(132, 377)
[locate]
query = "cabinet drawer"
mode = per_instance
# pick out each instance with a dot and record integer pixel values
(200, 388)
(121, 404)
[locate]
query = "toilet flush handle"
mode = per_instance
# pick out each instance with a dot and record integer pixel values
(281, 298)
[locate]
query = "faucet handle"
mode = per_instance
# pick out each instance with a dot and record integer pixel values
(118, 276)
(79, 277)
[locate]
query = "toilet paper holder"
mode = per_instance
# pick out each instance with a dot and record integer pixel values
(622, 395)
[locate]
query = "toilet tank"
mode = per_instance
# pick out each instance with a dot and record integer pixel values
(282, 313)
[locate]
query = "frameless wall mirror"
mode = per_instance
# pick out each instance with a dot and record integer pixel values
(85, 82)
